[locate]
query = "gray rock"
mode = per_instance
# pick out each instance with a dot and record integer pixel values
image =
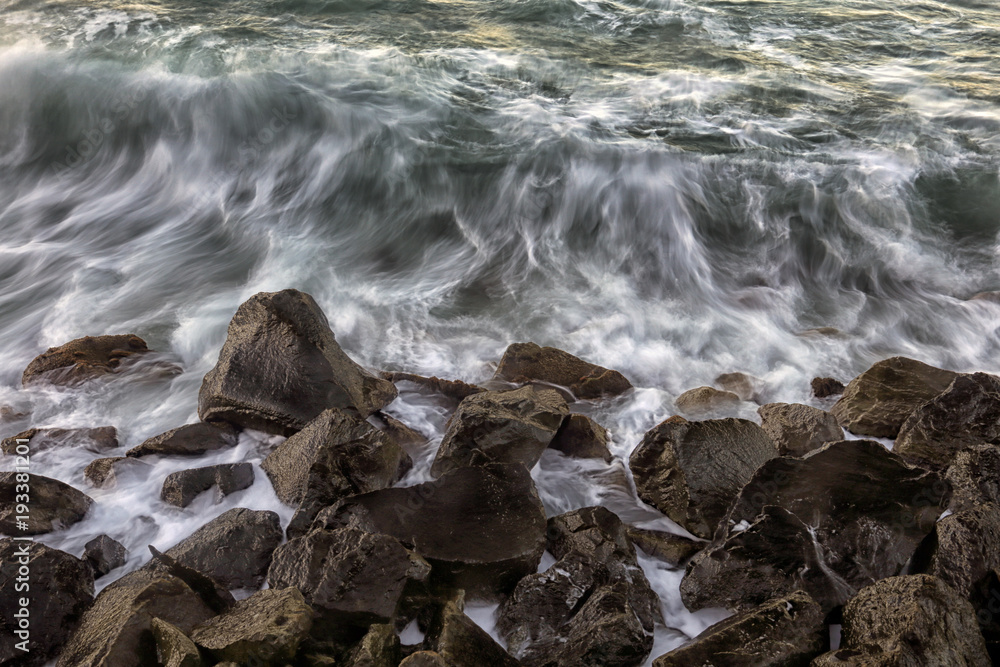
(188, 440)
(83, 359)
(525, 362)
(702, 401)
(40, 439)
(104, 554)
(105, 473)
(582, 437)
(798, 429)
(53, 504)
(182, 487)
(173, 647)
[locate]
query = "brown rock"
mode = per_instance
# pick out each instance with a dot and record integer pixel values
(826, 387)
(459, 641)
(403, 435)
(524, 362)
(582, 437)
(378, 648)
(83, 359)
(40, 439)
(743, 385)
(454, 389)
(104, 554)
(53, 504)
(182, 487)
(675, 550)
(104, 473)
(173, 647)
(974, 476)
(424, 659)
(189, 440)
(798, 429)
(706, 400)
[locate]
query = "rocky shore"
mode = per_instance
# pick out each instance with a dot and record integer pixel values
(803, 525)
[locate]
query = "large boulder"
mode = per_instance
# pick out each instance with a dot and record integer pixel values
(877, 402)
(188, 440)
(966, 413)
(481, 527)
(182, 487)
(798, 429)
(281, 367)
(788, 631)
(53, 505)
(691, 471)
(828, 523)
(58, 588)
(909, 621)
(83, 359)
(526, 362)
(40, 439)
(335, 456)
(582, 437)
(974, 475)
(504, 426)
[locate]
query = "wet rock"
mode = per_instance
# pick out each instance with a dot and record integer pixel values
(482, 528)
(213, 594)
(378, 648)
(117, 630)
(745, 386)
(675, 550)
(912, 620)
(182, 487)
(706, 400)
(974, 475)
(826, 387)
(40, 439)
(173, 647)
(281, 367)
(188, 440)
(234, 548)
(691, 471)
(264, 629)
(783, 632)
(104, 554)
(335, 456)
(582, 437)
(525, 362)
(53, 504)
(964, 550)
(829, 523)
(594, 606)
(459, 641)
(877, 402)
(105, 473)
(424, 659)
(798, 429)
(83, 359)
(61, 589)
(454, 389)
(504, 426)
(402, 435)
(966, 413)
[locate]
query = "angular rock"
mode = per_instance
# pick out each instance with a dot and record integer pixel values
(459, 641)
(966, 413)
(877, 402)
(826, 387)
(105, 473)
(691, 471)
(41, 439)
(83, 359)
(974, 476)
(964, 550)
(424, 659)
(211, 592)
(173, 647)
(783, 632)
(378, 648)
(281, 367)
(912, 620)
(182, 487)
(524, 362)
(798, 429)
(61, 589)
(104, 554)
(264, 629)
(741, 384)
(675, 550)
(188, 440)
(401, 434)
(582, 437)
(53, 504)
(706, 400)
(829, 524)
(454, 389)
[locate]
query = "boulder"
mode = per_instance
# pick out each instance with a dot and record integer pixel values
(798, 429)
(745, 386)
(454, 389)
(281, 367)
(826, 387)
(218, 598)
(974, 475)
(829, 523)
(482, 528)
(526, 362)
(105, 473)
(83, 359)
(424, 659)
(378, 648)
(911, 620)
(188, 440)
(459, 641)
(877, 402)
(675, 550)
(61, 589)
(264, 629)
(104, 554)
(335, 456)
(966, 413)
(53, 505)
(504, 426)
(182, 487)
(173, 647)
(117, 630)
(40, 439)
(706, 400)
(691, 471)
(582, 437)
(401, 434)
(788, 631)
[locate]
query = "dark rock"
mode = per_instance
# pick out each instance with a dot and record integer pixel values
(402, 435)
(117, 630)
(424, 659)
(706, 400)
(829, 523)
(40, 439)
(104, 473)
(53, 504)
(675, 550)
(234, 548)
(691, 471)
(524, 362)
(798, 429)
(826, 387)
(877, 402)
(211, 592)
(83, 359)
(104, 554)
(455, 389)
(505, 426)
(182, 487)
(784, 632)
(974, 475)
(189, 440)
(482, 528)
(745, 386)
(281, 367)
(378, 648)
(582, 437)
(966, 413)
(912, 620)
(61, 589)
(459, 641)
(265, 629)
(335, 456)
(173, 647)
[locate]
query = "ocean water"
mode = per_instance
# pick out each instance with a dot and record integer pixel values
(672, 188)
